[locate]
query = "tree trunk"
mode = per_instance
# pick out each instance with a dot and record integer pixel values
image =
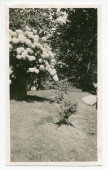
(18, 88)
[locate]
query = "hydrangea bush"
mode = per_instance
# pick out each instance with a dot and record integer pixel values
(30, 54)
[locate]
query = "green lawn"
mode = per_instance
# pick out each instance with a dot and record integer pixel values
(36, 138)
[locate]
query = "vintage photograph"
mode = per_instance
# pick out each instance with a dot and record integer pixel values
(53, 84)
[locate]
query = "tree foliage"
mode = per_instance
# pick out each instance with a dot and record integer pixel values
(76, 44)
(41, 19)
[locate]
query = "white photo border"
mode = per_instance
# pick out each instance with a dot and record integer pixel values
(99, 111)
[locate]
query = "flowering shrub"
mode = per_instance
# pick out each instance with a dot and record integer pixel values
(30, 54)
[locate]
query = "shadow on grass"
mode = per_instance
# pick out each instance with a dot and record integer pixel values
(31, 99)
(64, 122)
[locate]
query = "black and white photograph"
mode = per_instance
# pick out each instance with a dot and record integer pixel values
(53, 85)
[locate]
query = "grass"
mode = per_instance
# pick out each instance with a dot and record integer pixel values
(35, 136)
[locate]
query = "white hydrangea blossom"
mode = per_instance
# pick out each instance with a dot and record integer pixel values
(53, 61)
(31, 58)
(26, 33)
(52, 66)
(15, 40)
(9, 81)
(40, 60)
(36, 38)
(49, 69)
(36, 71)
(38, 45)
(44, 39)
(30, 35)
(28, 42)
(24, 54)
(33, 46)
(45, 55)
(13, 34)
(18, 50)
(46, 63)
(19, 31)
(31, 70)
(10, 39)
(21, 38)
(35, 31)
(44, 50)
(29, 50)
(52, 72)
(62, 18)
(18, 56)
(22, 49)
(50, 54)
(55, 78)
(41, 67)
(10, 70)
(10, 31)
(10, 46)
(28, 28)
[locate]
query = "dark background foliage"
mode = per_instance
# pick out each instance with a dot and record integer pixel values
(76, 45)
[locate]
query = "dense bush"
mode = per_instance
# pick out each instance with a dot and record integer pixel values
(30, 54)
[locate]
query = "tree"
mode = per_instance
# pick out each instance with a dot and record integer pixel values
(76, 44)
(41, 19)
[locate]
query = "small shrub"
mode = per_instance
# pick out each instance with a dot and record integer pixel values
(67, 108)
(62, 85)
(61, 88)
(59, 97)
